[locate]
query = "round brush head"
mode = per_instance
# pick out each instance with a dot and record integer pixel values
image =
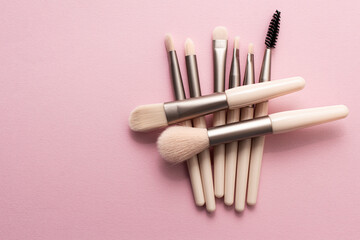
(177, 144)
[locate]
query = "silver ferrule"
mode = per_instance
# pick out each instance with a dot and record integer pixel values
(249, 76)
(193, 76)
(239, 131)
(235, 76)
(179, 111)
(176, 76)
(219, 55)
(265, 74)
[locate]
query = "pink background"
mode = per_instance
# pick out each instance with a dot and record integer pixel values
(72, 71)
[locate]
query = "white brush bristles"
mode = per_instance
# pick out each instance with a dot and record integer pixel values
(177, 144)
(148, 117)
(220, 33)
(169, 43)
(251, 48)
(189, 47)
(237, 42)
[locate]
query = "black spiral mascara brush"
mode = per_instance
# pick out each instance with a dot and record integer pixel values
(262, 110)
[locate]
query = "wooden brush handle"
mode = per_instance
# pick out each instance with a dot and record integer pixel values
(230, 160)
(256, 156)
(195, 176)
(243, 164)
(206, 170)
(219, 157)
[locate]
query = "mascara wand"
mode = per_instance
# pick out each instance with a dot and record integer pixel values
(257, 147)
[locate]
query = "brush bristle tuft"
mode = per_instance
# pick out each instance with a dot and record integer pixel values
(189, 47)
(177, 144)
(148, 117)
(169, 43)
(237, 42)
(251, 48)
(220, 33)
(273, 30)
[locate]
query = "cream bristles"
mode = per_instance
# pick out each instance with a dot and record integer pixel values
(220, 33)
(148, 117)
(189, 47)
(251, 48)
(177, 144)
(169, 43)
(237, 42)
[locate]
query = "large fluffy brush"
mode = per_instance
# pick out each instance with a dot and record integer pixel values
(262, 110)
(177, 144)
(152, 116)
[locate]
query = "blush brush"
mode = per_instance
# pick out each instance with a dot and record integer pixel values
(177, 144)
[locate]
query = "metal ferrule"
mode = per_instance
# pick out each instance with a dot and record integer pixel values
(249, 76)
(235, 76)
(193, 76)
(179, 111)
(219, 52)
(265, 74)
(239, 131)
(176, 76)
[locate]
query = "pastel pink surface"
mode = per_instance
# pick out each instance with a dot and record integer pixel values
(72, 71)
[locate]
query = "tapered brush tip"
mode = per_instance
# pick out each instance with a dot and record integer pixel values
(189, 47)
(220, 33)
(169, 43)
(237, 42)
(148, 117)
(251, 48)
(273, 30)
(177, 144)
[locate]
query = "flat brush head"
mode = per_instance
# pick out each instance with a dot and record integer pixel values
(177, 144)
(237, 42)
(148, 117)
(220, 33)
(273, 31)
(189, 47)
(169, 43)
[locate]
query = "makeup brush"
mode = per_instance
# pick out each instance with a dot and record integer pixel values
(261, 109)
(204, 156)
(247, 113)
(220, 41)
(232, 117)
(176, 144)
(192, 163)
(152, 116)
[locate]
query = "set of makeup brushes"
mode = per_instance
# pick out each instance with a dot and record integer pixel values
(240, 120)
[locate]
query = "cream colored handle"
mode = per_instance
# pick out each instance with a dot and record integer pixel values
(219, 157)
(257, 149)
(245, 95)
(230, 160)
(206, 170)
(195, 176)
(292, 120)
(243, 164)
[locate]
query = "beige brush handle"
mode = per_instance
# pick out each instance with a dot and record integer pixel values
(219, 157)
(296, 119)
(257, 149)
(230, 160)
(243, 164)
(206, 171)
(195, 176)
(255, 93)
